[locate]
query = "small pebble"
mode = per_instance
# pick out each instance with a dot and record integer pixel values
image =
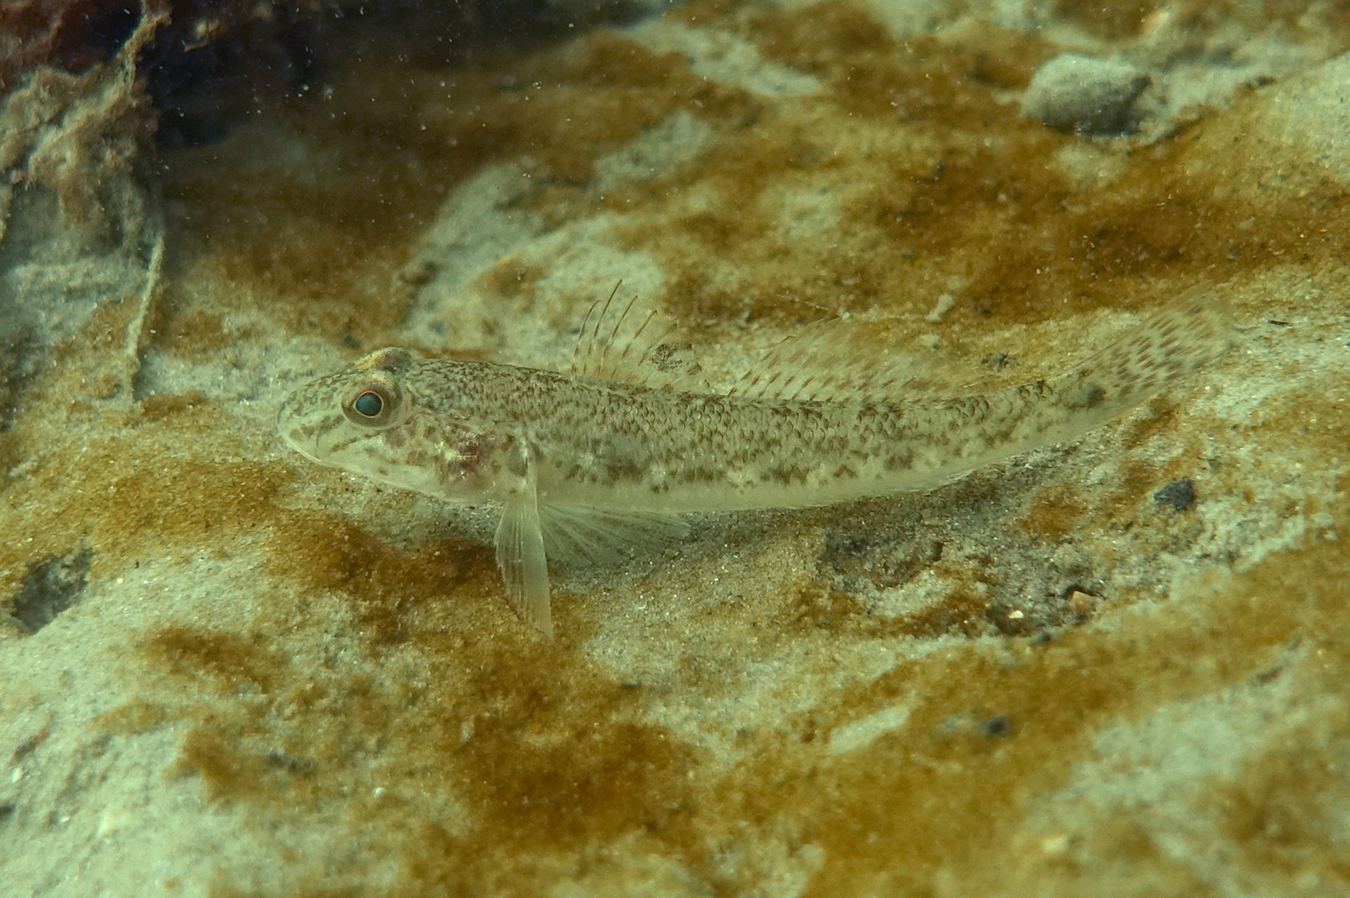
(945, 303)
(1073, 92)
(1179, 494)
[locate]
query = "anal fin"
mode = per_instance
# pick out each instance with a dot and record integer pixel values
(605, 537)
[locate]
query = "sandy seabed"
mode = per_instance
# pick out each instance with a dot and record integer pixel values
(1112, 667)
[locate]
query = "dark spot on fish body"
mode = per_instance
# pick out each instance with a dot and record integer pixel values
(992, 437)
(902, 461)
(890, 426)
(621, 467)
(997, 360)
(826, 443)
(788, 474)
(698, 474)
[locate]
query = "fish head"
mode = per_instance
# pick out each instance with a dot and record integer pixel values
(368, 420)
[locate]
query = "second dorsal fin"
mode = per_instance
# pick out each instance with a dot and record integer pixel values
(630, 343)
(823, 363)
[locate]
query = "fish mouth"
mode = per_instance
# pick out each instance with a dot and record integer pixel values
(293, 431)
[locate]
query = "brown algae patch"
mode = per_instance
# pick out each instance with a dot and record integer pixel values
(128, 497)
(956, 793)
(946, 188)
(549, 757)
(493, 755)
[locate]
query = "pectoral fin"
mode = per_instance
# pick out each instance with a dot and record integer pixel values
(520, 555)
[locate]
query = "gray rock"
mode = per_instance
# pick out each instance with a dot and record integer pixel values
(1073, 92)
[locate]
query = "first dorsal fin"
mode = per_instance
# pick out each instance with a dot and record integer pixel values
(822, 363)
(629, 343)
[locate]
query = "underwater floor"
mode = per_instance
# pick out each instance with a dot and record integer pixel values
(1116, 666)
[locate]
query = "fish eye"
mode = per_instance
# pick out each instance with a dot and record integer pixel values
(369, 404)
(375, 403)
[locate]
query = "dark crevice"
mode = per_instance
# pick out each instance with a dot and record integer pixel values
(20, 359)
(50, 587)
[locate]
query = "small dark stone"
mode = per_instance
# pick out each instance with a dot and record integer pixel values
(291, 764)
(1180, 494)
(997, 360)
(6, 811)
(858, 562)
(999, 727)
(27, 746)
(1012, 621)
(844, 546)
(1262, 677)
(50, 587)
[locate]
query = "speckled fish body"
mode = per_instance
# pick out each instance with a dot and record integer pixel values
(578, 463)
